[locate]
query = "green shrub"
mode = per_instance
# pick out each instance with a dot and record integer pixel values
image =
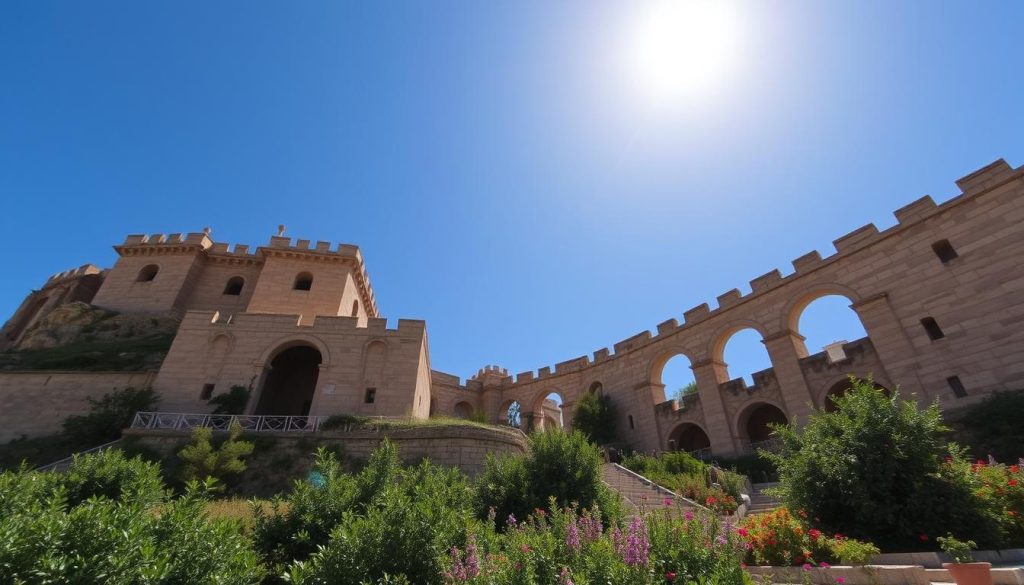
(231, 402)
(595, 418)
(202, 460)
(778, 538)
(44, 540)
(108, 416)
(340, 421)
(112, 475)
(872, 470)
(561, 466)
(995, 428)
(405, 530)
(759, 469)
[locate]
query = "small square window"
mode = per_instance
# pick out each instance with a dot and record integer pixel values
(957, 386)
(932, 329)
(944, 250)
(207, 392)
(371, 395)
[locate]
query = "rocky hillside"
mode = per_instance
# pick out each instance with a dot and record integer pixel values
(78, 336)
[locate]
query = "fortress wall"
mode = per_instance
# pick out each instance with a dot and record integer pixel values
(464, 447)
(446, 392)
(121, 290)
(79, 284)
(349, 299)
(893, 279)
(35, 404)
(207, 294)
(274, 292)
(209, 350)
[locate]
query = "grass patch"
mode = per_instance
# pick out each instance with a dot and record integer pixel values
(123, 355)
(341, 422)
(241, 510)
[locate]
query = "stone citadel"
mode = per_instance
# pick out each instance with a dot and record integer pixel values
(940, 295)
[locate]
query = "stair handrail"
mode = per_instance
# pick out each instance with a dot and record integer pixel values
(663, 490)
(70, 458)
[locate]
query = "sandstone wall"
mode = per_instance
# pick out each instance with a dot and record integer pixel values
(464, 447)
(209, 350)
(893, 279)
(36, 403)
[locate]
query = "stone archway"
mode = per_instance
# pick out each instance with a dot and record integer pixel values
(291, 382)
(688, 437)
(754, 425)
(463, 409)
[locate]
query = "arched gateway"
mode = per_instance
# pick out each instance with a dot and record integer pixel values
(291, 382)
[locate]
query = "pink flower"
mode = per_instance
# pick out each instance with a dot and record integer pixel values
(807, 566)
(689, 515)
(824, 565)
(840, 580)
(742, 532)
(668, 501)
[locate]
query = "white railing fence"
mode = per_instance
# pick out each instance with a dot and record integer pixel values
(250, 423)
(65, 463)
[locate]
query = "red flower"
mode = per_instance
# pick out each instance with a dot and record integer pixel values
(524, 548)
(1012, 482)
(742, 532)
(711, 500)
(923, 537)
(670, 576)
(814, 533)
(1014, 469)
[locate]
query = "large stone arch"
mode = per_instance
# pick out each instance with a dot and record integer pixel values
(297, 339)
(537, 417)
(289, 382)
(839, 385)
(742, 420)
(795, 307)
(688, 436)
(716, 347)
(462, 409)
(657, 364)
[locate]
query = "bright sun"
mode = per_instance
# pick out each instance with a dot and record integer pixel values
(680, 49)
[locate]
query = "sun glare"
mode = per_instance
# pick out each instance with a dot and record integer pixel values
(680, 49)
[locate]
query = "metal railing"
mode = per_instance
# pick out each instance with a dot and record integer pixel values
(65, 463)
(179, 421)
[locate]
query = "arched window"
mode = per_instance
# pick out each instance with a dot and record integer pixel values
(148, 273)
(304, 281)
(234, 286)
(355, 308)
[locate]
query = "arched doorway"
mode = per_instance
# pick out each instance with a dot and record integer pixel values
(756, 425)
(463, 410)
(691, 438)
(291, 382)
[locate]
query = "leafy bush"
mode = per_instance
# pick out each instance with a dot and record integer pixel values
(759, 469)
(43, 539)
(873, 470)
(231, 402)
(595, 418)
(1000, 491)
(340, 421)
(108, 416)
(690, 478)
(405, 530)
(111, 475)
(314, 507)
(778, 539)
(561, 466)
(995, 426)
(958, 550)
(203, 460)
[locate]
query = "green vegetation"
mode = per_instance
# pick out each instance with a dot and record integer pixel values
(559, 467)
(684, 391)
(109, 415)
(595, 418)
(690, 478)
(994, 427)
(958, 550)
(86, 355)
(203, 461)
(340, 422)
(104, 422)
(879, 469)
(231, 402)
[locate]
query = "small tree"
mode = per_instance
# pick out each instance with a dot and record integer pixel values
(873, 470)
(202, 460)
(108, 416)
(231, 402)
(595, 418)
(686, 390)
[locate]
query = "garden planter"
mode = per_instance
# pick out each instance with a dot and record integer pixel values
(970, 573)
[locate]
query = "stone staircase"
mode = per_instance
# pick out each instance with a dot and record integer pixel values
(639, 492)
(760, 502)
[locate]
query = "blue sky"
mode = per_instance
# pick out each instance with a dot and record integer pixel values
(493, 160)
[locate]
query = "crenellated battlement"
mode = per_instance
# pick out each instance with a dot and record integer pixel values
(972, 185)
(320, 324)
(73, 273)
